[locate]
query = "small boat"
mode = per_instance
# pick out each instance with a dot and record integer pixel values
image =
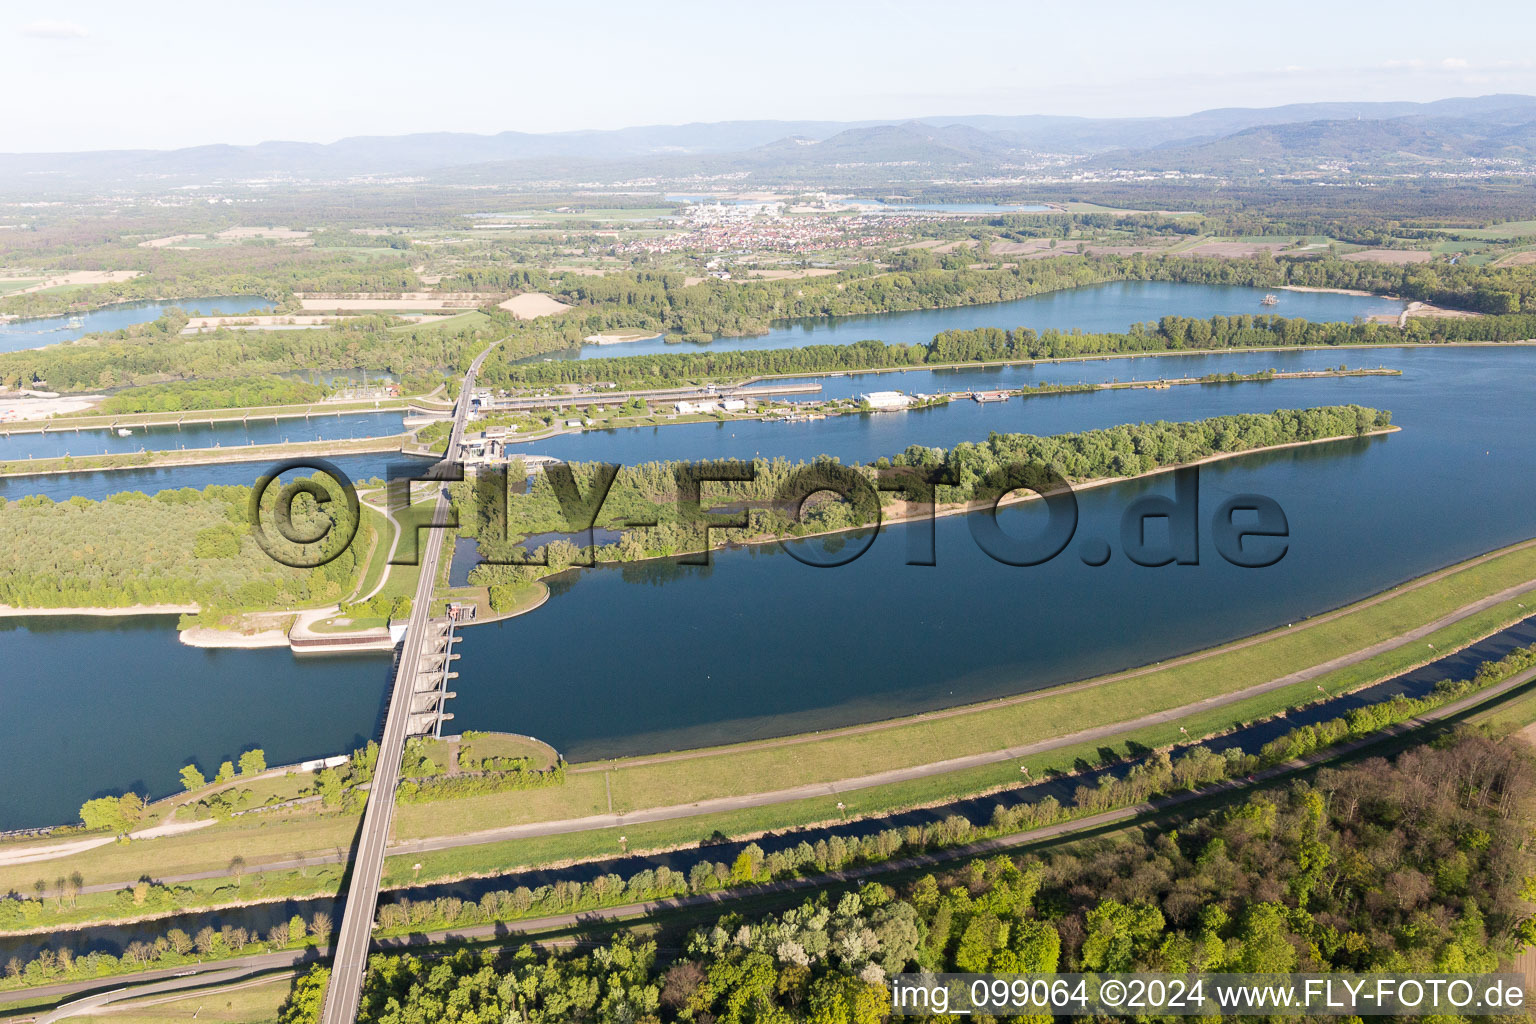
(124, 432)
(1270, 300)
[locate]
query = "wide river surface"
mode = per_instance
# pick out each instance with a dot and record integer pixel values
(37, 332)
(759, 644)
(1096, 308)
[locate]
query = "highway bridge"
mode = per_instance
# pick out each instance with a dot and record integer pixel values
(420, 671)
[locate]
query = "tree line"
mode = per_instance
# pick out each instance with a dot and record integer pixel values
(1415, 865)
(994, 344)
(498, 519)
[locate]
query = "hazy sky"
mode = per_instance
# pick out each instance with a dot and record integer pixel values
(91, 74)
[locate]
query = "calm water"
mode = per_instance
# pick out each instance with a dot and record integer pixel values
(466, 554)
(139, 705)
(1105, 307)
(99, 484)
(219, 434)
(114, 938)
(865, 437)
(762, 645)
(759, 644)
(36, 332)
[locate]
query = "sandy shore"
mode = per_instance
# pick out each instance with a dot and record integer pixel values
(207, 636)
(620, 337)
(6, 611)
(1336, 291)
(22, 408)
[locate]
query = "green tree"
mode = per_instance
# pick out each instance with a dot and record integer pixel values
(192, 779)
(253, 762)
(112, 813)
(304, 1001)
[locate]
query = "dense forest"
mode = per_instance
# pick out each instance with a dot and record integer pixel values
(184, 547)
(1416, 865)
(157, 352)
(225, 393)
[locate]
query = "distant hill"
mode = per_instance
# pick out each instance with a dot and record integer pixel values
(1228, 141)
(1083, 135)
(1398, 143)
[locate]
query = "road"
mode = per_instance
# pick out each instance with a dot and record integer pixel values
(202, 974)
(344, 993)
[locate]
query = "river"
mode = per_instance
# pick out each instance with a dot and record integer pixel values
(262, 917)
(61, 440)
(38, 332)
(1109, 307)
(759, 644)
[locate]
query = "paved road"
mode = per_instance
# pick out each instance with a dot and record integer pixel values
(345, 990)
(981, 847)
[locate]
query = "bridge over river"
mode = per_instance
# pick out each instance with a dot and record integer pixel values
(415, 705)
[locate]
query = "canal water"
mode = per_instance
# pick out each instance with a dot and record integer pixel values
(38, 332)
(1421, 681)
(1114, 306)
(99, 484)
(60, 440)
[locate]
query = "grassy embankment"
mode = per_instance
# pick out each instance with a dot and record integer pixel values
(638, 783)
(635, 784)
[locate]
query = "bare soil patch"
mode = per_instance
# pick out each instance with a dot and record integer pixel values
(79, 277)
(283, 234)
(1236, 249)
(531, 305)
(1396, 257)
(785, 275)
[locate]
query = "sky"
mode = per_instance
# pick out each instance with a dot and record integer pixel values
(91, 74)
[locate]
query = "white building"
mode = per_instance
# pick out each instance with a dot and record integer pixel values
(733, 405)
(690, 408)
(886, 400)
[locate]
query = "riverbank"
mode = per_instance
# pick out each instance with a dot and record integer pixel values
(841, 407)
(201, 456)
(592, 839)
(7, 611)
